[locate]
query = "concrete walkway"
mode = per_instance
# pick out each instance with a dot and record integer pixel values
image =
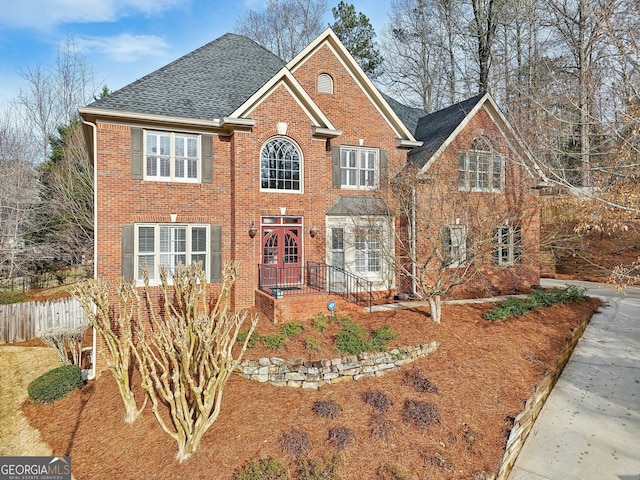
(589, 428)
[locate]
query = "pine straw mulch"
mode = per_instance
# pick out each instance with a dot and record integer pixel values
(480, 377)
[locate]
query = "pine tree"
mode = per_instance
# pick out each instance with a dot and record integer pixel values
(356, 33)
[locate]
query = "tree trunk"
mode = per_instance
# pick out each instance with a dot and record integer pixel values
(435, 304)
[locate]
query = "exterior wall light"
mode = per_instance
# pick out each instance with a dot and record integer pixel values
(252, 230)
(313, 231)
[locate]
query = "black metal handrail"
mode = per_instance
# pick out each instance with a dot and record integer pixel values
(313, 278)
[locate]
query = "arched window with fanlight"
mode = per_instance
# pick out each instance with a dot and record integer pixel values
(325, 83)
(480, 168)
(281, 165)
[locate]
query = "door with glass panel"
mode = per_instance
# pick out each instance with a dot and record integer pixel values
(281, 251)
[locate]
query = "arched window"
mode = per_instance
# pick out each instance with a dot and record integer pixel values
(325, 83)
(480, 168)
(281, 165)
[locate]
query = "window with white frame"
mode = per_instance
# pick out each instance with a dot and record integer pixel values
(359, 167)
(171, 157)
(507, 245)
(480, 168)
(337, 247)
(454, 245)
(167, 245)
(368, 246)
(281, 166)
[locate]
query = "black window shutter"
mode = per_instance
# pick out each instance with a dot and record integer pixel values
(207, 158)
(216, 253)
(517, 245)
(335, 167)
(497, 245)
(136, 153)
(127, 252)
(384, 168)
(445, 235)
(469, 245)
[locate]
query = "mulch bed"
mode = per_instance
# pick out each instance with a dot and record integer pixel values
(479, 378)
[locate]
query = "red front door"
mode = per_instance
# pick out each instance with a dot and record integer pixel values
(282, 250)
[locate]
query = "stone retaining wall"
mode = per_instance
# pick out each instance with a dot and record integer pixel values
(314, 374)
(523, 423)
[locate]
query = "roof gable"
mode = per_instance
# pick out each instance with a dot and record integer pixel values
(197, 85)
(329, 39)
(286, 79)
(437, 129)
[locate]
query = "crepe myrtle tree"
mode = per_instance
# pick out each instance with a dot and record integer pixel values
(114, 327)
(185, 356)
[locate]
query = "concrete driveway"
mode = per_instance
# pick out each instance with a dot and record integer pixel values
(589, 428)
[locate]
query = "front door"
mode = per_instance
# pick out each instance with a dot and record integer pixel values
(282, 251)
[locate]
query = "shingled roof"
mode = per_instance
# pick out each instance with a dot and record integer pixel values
(408, 115)
(210, 82)
(434, 129)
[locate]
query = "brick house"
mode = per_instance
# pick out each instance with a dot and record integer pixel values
(231, 153)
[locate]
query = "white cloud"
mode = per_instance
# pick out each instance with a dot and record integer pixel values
(124, 47)
(47, 14)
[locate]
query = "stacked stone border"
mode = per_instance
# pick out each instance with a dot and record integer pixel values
(314, 374)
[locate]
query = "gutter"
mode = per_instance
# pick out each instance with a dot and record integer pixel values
(94, 160)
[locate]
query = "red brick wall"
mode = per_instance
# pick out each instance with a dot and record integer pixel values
(234, 199)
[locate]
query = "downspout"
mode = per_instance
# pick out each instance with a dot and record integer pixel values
(414, 243)
(94, 128)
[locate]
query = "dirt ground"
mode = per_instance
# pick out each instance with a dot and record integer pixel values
(483, 373)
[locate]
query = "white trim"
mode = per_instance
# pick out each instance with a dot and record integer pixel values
(383, 280)
(286, 79)
(172, 178)
(156, 248)
(506, 129)
(358, 168)
(331, 40)
(301, 165)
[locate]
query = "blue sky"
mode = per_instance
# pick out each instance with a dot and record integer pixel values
(122, 40)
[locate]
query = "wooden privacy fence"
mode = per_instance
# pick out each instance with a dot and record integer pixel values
(24, 321)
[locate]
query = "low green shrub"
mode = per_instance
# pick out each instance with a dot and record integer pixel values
(12, 296)
(55, 384)
(264, 469)
(320, 323)
(274, 341)
(253, 341)
(352, 339)
(513, 307)
(324, 469)
(291, 329)
(311, 345)
(381, 336)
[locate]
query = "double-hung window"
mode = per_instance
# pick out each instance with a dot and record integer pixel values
(480, 168)
(172, 157)
(507, 245)
(167, 245)
(368, 247)
(359, 167)
(454, 245)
